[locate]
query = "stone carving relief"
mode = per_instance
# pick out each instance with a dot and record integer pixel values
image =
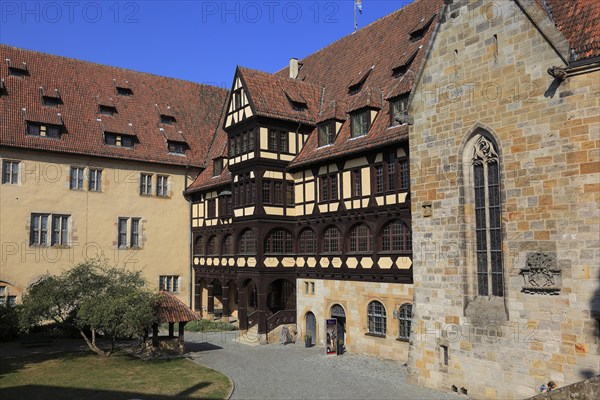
(541, 274)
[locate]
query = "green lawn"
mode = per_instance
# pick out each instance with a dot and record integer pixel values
(81, 375)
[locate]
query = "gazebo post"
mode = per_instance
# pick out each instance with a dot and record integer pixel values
(171, 329)
(181, 329)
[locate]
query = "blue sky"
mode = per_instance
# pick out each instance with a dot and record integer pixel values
(200, 41)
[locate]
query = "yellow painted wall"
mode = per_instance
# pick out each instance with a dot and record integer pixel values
(44, 188)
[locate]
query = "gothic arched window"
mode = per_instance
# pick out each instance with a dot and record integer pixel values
(488, 230)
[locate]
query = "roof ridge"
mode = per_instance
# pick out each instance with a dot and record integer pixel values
(41, 53)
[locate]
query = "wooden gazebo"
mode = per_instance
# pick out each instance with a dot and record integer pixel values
(172, 310)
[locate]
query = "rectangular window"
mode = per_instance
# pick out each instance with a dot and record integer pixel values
(167, 119)
(324, 185)
(107, 110)
(95, 180)
(399, 110)
(76, 178)
(50, 131)
(360, 123)
(251, 140)
(231, 147)
(356, 183)
(278, 193)
(289, 193)
(146, 184)
(60, 230)
(391, 173)
(162, 185)
(122, 91)
(266, 192)
(135, 232)
(211, 205)
(326, 134)
(238, 145)
(39, 229)
(272, 142)
(51, 101)
(284, 145)
(10, 172)
(244, 143)
(333, 187)
(168, 283)
(404, 175)
(114, 139)
(122, 240)
(237, 99)
(379, 178)
(18, 71)
(176, 147)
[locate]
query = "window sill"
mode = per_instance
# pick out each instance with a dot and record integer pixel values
(402, 340)
(146, 195)
(377, 335)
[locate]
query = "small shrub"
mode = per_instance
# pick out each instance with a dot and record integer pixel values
(209, 326)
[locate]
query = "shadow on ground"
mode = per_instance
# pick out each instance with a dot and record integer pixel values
(43, 392)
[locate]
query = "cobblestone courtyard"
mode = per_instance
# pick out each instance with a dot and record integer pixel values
(292, 371)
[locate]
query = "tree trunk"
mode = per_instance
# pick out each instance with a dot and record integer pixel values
(92, 344)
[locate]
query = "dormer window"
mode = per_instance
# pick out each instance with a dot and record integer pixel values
(119, 139)
(107, 110)
(399, 110)
(404, 65)
(167, 119)
(357, 85)
(176, 147)
(122, 91)
(296, 100)
(296, 106)
(19, 70)
(44, 130)
(326, 133)
(360, 123)
(217, 166)
(51, 101)
(419, 31)
(3, 90)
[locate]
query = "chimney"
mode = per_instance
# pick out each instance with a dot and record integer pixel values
(293, 68)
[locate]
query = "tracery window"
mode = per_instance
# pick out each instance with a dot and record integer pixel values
(488, 230)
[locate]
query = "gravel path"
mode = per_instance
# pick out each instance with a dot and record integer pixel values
(292, 371)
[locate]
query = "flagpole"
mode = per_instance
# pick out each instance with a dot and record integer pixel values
(355, 17)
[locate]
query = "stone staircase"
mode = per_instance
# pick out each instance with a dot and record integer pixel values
(249, 337)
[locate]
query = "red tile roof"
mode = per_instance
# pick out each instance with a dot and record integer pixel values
(579, 21)
(383, 46)
(171, 309)
(270, 94)
(83, 86)
(367, 57)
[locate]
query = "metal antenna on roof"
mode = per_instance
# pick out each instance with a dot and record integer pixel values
(357, 10)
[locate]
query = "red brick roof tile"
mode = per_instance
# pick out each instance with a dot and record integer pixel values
(83, 86)
(269, 95)
(171, 309)
(579, 21)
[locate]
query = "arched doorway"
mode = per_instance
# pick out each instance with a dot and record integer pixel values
(217, 293)
(311, 327)
(232, 300)
(339, 314)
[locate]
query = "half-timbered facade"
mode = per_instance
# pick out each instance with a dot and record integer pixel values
(303, 213)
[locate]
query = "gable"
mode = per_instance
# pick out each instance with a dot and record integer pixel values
(238, 106)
